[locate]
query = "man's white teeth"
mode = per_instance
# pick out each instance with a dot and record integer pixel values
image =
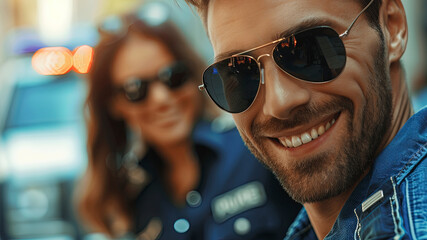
(314, 133)
(306, 137)
(296, 141)
(321, 130)
(288, 143)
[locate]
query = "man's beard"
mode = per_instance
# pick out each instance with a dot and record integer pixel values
(329, 174)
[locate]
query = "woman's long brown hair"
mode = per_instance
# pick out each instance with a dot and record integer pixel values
(103, 202)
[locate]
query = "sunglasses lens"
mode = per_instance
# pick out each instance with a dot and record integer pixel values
(315, 55)
(135, 90)
(233, 83)
(175, 76)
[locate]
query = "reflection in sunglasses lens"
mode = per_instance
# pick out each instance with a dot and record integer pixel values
(233, 83)
(314, 55)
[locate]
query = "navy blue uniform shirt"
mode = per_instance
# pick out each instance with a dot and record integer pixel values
(237, 197)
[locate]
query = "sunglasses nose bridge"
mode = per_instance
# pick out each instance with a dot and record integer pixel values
(261, 67)
(261, 56)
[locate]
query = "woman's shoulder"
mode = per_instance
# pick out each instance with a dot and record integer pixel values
(219, 134)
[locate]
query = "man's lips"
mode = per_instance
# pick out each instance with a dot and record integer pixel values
(301, 137)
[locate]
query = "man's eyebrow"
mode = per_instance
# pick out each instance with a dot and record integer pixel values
(226, 54)
(305, 24)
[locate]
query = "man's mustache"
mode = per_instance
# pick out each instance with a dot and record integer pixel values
(303, 115)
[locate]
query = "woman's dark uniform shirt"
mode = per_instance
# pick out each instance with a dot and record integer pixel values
(237, 197)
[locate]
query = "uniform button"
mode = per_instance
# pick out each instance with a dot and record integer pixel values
(242, 226)
(194, 199)
(181, 225)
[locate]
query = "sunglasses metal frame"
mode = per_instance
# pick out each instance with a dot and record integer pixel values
(242, 54)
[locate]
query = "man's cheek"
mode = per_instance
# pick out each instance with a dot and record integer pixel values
(238, 122)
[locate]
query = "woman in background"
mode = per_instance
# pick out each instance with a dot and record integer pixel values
(158, 167)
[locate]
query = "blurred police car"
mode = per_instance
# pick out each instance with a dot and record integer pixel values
(42, 151)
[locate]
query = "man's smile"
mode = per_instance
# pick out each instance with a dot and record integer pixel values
(307, 136)
(302, 135)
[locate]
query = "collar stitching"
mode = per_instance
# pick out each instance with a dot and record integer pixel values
(422, 148)
(304, 230)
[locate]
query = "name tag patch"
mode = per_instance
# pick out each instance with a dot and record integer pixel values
(238, 200)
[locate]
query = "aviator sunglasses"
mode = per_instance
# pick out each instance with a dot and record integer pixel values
(173, 76)
(315, 55)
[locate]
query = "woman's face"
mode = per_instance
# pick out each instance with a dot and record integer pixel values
(165, 116)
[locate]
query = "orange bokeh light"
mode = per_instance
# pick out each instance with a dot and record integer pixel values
(52, 61)
(82, 58)
(60, 60)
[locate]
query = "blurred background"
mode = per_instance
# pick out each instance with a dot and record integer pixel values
(42, 132)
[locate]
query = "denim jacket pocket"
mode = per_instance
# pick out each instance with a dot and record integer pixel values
(379, 215)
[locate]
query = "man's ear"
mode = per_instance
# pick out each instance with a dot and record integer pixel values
(395, 28)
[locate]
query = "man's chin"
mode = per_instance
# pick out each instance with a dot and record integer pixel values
(315, 178)
(310, 189)
(311, 180)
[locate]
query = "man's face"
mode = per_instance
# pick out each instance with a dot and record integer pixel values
(350, 114)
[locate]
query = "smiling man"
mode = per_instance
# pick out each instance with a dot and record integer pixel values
(318, 94)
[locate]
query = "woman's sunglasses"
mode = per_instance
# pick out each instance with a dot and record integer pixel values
(173, 76)
(315, 55)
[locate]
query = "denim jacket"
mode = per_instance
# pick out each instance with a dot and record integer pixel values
(391, 201)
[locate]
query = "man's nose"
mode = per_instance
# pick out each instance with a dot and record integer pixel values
(283, 93)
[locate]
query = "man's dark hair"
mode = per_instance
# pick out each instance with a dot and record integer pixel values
(372, 13)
